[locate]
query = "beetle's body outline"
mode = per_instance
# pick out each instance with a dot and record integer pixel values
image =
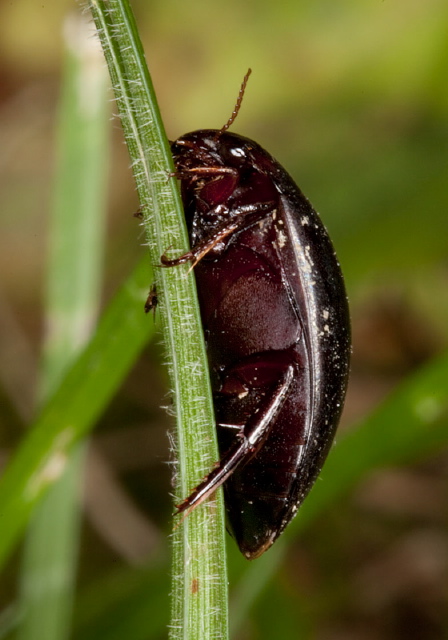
(229, 172)
(276, 324)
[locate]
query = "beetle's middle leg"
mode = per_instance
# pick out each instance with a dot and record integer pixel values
(240, 218)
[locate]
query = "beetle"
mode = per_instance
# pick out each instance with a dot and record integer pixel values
(276, 324)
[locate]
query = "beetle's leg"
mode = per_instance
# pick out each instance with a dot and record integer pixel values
(252, 437)
(247, 215)
(202, 248)
(202, 171)
(152, 300)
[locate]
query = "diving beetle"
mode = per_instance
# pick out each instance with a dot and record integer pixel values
(276, 324)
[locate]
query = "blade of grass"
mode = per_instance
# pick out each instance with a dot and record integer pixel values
(411, 423)
(71, 412)
(198, 543)
(48, 573)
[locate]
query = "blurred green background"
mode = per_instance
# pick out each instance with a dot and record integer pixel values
(352, 98)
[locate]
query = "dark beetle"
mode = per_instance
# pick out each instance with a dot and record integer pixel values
(276, 324)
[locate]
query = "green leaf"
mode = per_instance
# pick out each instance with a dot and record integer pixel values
(71, 412)
(73, 292)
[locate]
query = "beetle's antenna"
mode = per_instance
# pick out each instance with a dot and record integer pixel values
(235, 111)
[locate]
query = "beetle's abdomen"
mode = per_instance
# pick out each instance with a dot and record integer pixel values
(243, 320)
(249, 352)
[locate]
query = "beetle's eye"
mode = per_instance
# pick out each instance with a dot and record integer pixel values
(237, 152)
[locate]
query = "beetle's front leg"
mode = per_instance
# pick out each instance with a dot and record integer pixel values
(251, 438)
(188, 172)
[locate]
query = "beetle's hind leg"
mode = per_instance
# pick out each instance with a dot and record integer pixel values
(251, 438)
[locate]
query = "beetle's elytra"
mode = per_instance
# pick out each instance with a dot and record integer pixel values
(276, 324)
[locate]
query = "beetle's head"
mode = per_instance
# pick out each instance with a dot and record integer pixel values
(211, 148)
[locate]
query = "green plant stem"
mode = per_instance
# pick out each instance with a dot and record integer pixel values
(71, 412)
(199, 572)
(48, 574)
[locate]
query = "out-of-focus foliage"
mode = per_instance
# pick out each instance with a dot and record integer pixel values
(352, 99)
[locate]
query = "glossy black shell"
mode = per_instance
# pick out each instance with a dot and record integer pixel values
(272, 300)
